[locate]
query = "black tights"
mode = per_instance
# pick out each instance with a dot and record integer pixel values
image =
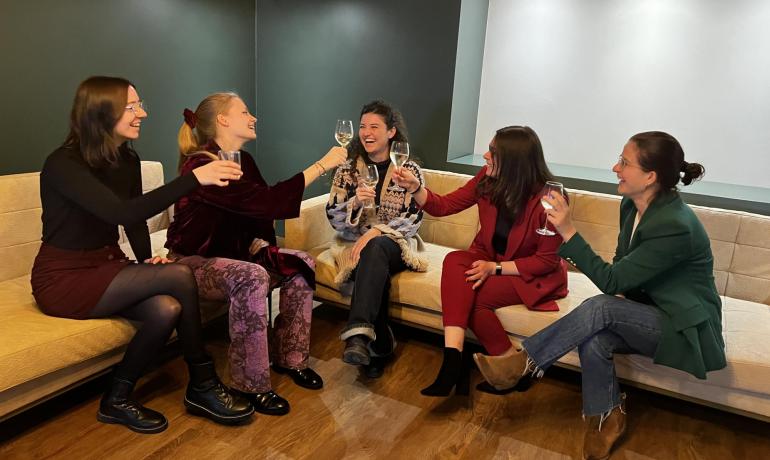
(161, 297)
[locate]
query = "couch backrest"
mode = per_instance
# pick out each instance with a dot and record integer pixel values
(20, 224)
(740, 241)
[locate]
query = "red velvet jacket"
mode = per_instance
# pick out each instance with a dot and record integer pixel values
(223, 221)
(542, 273)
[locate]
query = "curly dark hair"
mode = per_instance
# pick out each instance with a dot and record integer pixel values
(393, 119)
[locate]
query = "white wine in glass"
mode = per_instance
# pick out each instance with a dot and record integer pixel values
(549, 187)
(399, 153)
(343, 133)
(370, 177)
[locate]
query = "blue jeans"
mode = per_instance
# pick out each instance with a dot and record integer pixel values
(600, 327)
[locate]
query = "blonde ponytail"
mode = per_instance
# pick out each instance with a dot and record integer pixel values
(200, 126)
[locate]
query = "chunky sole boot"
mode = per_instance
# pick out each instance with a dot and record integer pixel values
(207, 396)
(116, 407)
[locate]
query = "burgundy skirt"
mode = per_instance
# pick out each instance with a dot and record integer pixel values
(69, 283)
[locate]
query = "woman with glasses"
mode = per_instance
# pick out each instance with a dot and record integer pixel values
(89, 186)
(226, 236)
(383, 236)
(659, 297)
(508, 262)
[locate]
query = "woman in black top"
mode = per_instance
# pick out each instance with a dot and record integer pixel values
(88, 187)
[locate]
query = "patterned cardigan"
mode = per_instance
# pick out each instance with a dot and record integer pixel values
(398, 218)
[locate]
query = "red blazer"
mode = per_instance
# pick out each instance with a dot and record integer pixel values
(542, 273)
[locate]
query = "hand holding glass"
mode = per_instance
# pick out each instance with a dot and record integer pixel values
(555, 187)
(399, 153)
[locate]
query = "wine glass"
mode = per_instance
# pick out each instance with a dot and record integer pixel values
(549, 187)
(370, 177)
(399, 153)
(343, 133)
(230, 155)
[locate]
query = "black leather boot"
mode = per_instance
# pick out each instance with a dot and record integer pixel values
(453, 374)
(117, 407)
(209, 397)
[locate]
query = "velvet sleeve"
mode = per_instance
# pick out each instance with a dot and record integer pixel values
(459, 200)
(251, 196)
(74, 181)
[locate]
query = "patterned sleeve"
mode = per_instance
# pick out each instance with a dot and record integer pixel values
(339, 209)
(408, 221)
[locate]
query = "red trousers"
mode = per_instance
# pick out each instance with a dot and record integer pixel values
(475, 309)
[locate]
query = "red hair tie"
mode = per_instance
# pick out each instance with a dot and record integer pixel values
(190, 118)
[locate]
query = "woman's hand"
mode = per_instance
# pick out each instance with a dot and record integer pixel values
(218, 172)
(403, 177)
(158, 260)
(479, 272)
(559, 216)
(362, 242)
(333, 158)
(363, 194)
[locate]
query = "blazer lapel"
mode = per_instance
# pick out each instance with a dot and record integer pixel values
(520, 227)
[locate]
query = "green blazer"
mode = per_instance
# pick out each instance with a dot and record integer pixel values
(668, 264)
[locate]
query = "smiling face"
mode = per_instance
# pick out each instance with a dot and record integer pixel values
(633, 181)
(129, 124)
(489, 157)
(237, 122)
(374, 134)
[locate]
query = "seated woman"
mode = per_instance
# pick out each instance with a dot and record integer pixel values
(226, 236)
(384, 239)
(89, 186)
(659, 295)
(508, 262)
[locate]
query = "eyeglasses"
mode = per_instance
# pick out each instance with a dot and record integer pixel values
(623, 163)
(137, 105)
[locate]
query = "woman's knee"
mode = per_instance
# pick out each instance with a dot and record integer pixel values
(377, 248)
(166, 309)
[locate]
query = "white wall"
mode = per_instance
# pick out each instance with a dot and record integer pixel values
(587, 74)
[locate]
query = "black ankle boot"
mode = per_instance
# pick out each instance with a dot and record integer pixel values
(356, 351)
(209, 397)
(453, 374)
(117, 407)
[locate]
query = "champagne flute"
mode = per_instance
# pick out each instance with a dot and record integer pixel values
(549, 187)
(370, 177)
(399, 153)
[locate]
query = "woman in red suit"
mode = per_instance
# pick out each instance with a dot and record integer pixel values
(508, 263)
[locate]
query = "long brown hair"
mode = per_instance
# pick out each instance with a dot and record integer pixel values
(99, 103)
(393, 119)
(521, 169)
(192, 140)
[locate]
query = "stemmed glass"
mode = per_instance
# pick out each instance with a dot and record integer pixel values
(399, 153)
(549, 187)
(343, 133)
(370, 177)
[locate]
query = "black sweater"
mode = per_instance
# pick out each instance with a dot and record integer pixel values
(83, 206)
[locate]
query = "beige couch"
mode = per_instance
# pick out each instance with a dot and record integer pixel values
(741, 246)
(42, 356)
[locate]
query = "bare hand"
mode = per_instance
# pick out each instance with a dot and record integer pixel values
(333, 158)
(479, 272)
(158, 260)
(362, 242)
(218, 172)
(403, 177)
(257, 245)
(364, 194)
(559, 216)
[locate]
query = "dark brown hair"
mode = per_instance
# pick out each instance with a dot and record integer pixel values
(99, 103)
(521, 169)
(661, 152)
(393, 119)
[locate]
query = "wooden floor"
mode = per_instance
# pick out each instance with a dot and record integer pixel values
(355, 418)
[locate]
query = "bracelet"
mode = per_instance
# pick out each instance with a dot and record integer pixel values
(419, 186)
(323, 170)
(498, 268)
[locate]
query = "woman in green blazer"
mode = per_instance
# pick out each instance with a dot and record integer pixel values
(659, 297)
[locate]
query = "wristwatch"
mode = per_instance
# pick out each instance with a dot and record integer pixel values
(498, 268)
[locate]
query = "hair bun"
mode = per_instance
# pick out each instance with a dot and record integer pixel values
(691, 172)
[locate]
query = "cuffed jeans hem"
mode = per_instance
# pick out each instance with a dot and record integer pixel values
(617, 402)
(358, 329)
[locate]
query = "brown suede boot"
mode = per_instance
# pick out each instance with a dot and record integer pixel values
(504, 371)
(602, 435)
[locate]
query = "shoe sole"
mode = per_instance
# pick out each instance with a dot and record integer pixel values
(196, 409)
(274, 413)
(356, 359)
(115, 421)
(482, 368)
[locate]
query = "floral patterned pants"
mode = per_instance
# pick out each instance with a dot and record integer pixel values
(246, 285)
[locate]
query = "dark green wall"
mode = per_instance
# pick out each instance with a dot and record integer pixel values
(175, 51)
(320, 60)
